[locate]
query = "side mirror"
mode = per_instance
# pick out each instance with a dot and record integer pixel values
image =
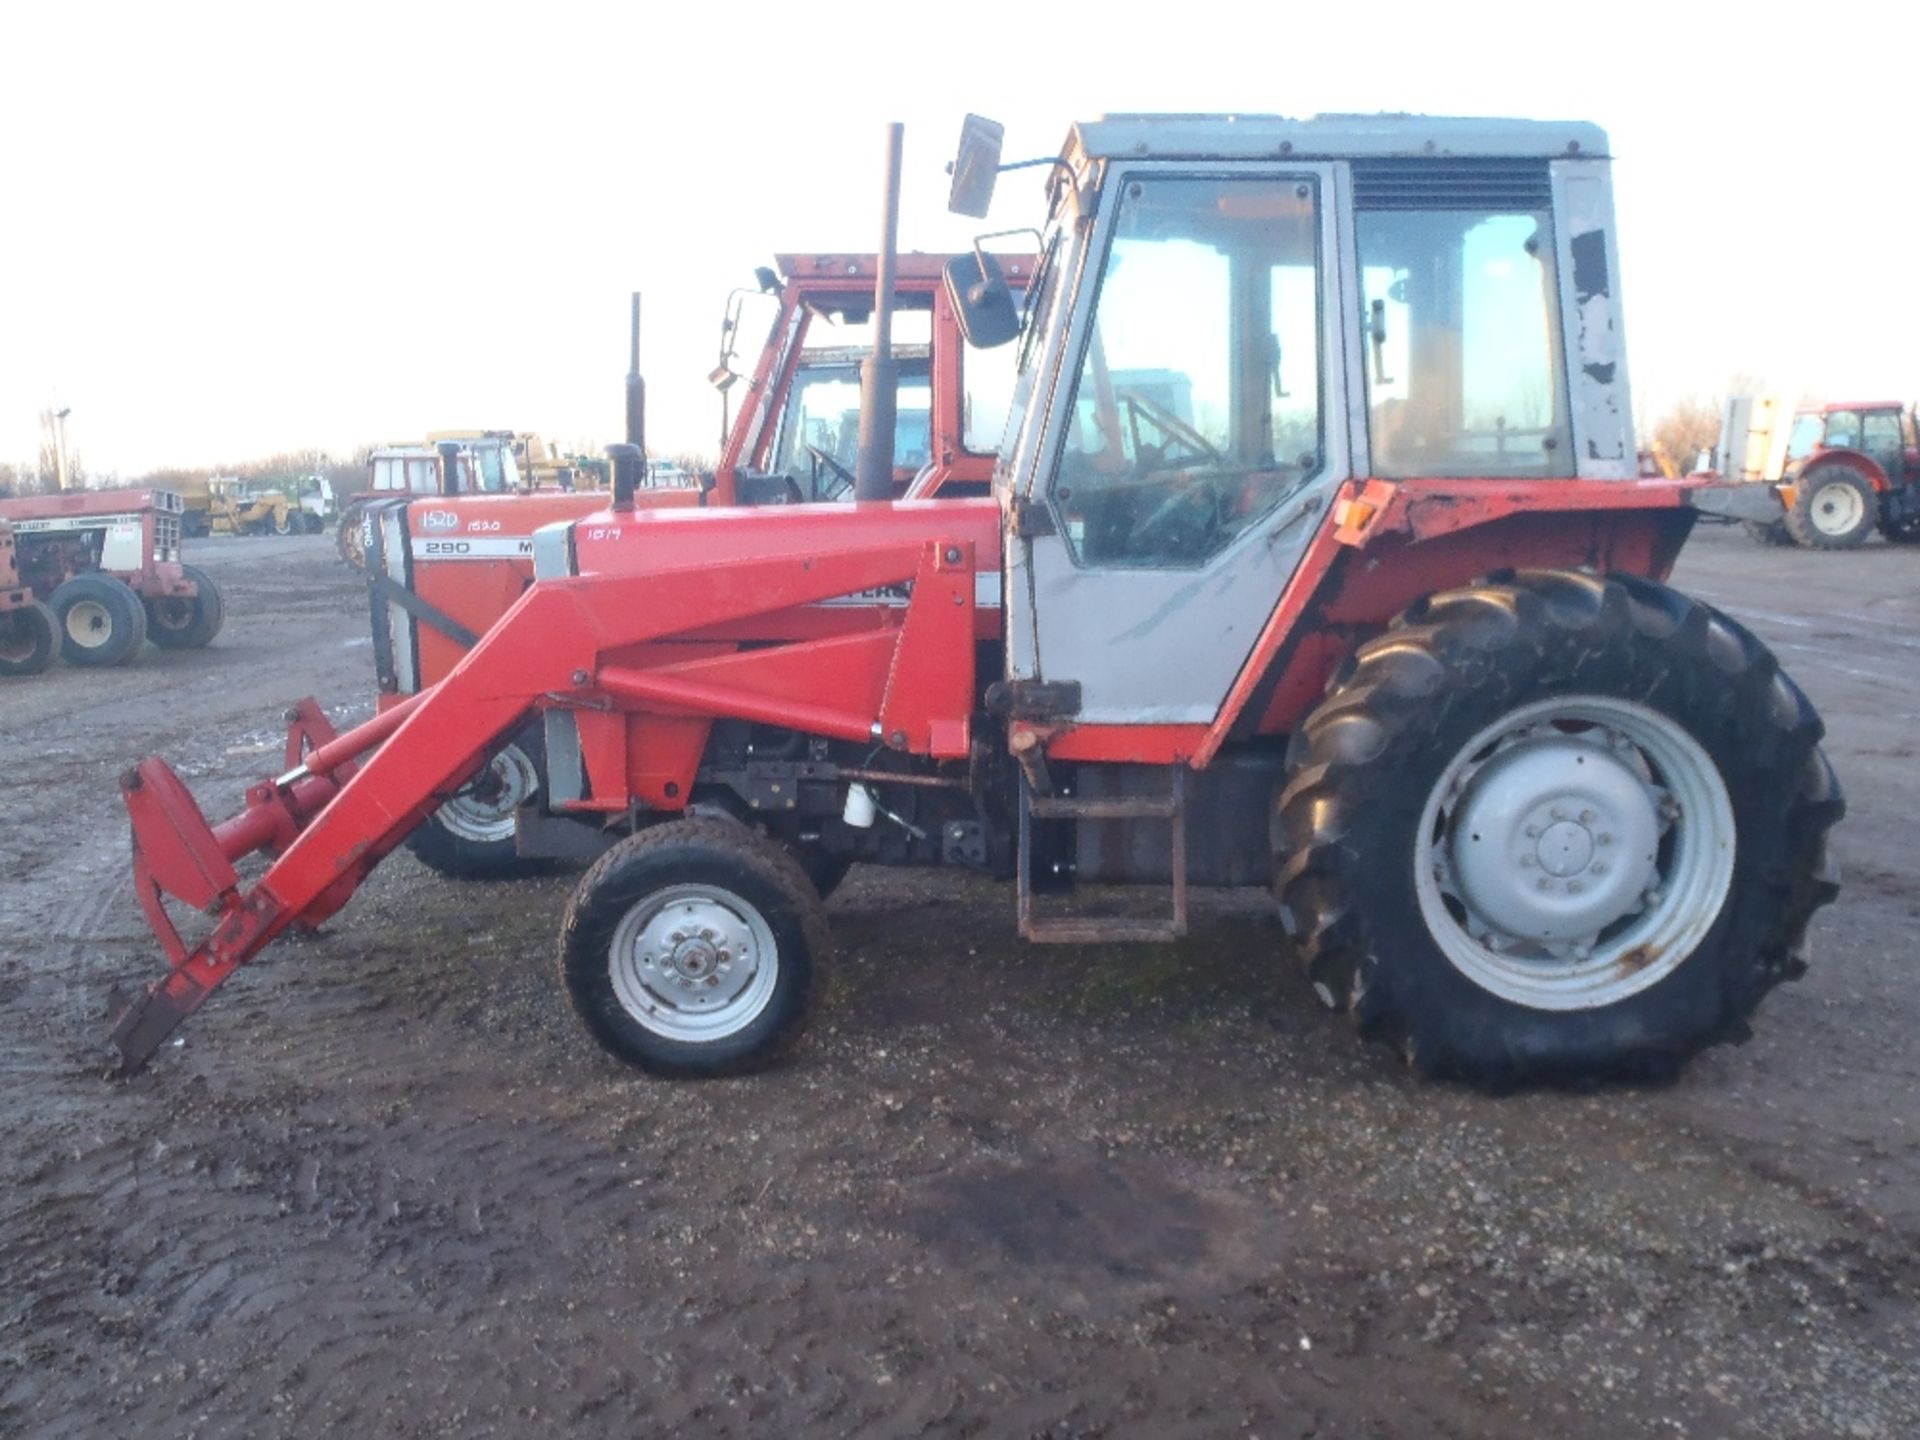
(976, 165)
(982, 303)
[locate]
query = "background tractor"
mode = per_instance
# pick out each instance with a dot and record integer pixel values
(29, 632)
(1375, 615)
(108, 563)
(1839, 471)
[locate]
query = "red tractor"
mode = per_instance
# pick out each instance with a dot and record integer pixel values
(1849, 468)
(1368, 604)
(29, 633)
(108, 562)
(445, 570)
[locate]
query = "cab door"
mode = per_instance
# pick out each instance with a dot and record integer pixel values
(1194, 435)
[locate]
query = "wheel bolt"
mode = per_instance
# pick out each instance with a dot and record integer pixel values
(1533, 832)
(1583, 952)
(1573, 887)
(1527, 862)
(1545, 883)
(1558, 813)
(1586, 817)
(1603, 838)
(706, 935)
(1599, 867)
(1653, 896)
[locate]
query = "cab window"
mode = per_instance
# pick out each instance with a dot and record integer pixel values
(1461, 344)
(1197, 406)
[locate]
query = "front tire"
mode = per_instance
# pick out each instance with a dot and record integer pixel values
(187, 623)
(29, 636)
(1664, 885)
(695, 948)
(1834, 508)
(102, 621)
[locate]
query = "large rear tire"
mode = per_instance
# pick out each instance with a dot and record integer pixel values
(1555, 827)
(29, 636)
(102, 621)
(471, 836)
(1834, 508)
(187, 623)
(351, 541)
(695, 948)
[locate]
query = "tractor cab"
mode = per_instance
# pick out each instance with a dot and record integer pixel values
(1235, 318)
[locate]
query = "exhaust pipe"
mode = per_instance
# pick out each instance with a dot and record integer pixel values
(636, 387)
(879, 376)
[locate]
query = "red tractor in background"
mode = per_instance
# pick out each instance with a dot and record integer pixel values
(29, 633)
(1370, 614)
(443, 571)
(1852, 467)
(108, 563)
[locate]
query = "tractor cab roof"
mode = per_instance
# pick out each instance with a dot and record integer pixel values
(1269, 137)
(1835, 407)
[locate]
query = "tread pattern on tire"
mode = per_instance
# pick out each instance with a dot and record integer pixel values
(1508, 640)
(43, 639)
(609, 887)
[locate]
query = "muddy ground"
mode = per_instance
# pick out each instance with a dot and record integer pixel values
(386, 1186)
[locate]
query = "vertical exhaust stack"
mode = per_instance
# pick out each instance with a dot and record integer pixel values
(636, 387)
(879, 377)
(630, 460)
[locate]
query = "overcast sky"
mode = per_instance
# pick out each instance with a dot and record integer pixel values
(238, 229)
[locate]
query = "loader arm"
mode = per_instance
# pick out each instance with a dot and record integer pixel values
(567, 643)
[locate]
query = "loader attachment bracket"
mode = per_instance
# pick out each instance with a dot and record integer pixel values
(175, 851)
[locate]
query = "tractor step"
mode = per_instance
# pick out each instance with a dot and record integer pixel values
(1105, 929)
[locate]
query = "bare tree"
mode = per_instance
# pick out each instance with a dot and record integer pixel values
(1688, 427)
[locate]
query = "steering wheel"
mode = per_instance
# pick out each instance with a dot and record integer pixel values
(1184, 522)
(1172, 426)
(835, 468)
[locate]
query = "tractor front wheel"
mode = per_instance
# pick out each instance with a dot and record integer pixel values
(1834, 508)
(187, 622)
(102, 620)
(695, 948)
(1555, 827)
(29, 635)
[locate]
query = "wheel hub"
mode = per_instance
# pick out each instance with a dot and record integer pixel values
(88, 623)
(1837, 509)
(694, 963)
(484, 809)
(1575, 852)
(1554, 839)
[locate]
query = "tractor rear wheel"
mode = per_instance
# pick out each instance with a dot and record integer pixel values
(187, 622)
(471, 836)
(351, 541)
(695, 948)
(1834, 508)
(1555, 827)
(102, 620)
(29, 635)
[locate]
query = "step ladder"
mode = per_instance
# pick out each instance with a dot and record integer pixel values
(1098, 929)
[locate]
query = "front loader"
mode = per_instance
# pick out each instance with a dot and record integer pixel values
(443, 570)
(1341, 581)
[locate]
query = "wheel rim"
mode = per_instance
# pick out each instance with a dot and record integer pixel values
(353, 536)
(1837, 509)
(483, 810)
(18, 642)
(694, 963)
(89, 624)
(172, 614)
(1575, 853)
